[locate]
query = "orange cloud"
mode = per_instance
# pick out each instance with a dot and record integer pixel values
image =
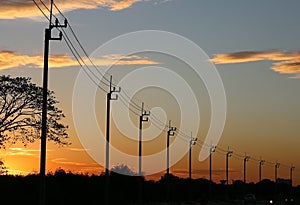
(22, 152)
(120, 5)
(286, 62)
(11, 9)
(117, 59)
(64, 161)
(10, 59)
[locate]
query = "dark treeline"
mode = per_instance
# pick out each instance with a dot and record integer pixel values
(68, 188)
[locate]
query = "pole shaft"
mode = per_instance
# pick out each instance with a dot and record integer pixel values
(275, 173)
(168, 153)
(227, 169)
(44, 120)
(291, 176)
(107, 132)
(245, 170)
(210, 174)
(107, 180)
(260, 171)
(140, 145)
(190, 161)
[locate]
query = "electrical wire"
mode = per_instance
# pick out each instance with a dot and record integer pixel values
(126, 100)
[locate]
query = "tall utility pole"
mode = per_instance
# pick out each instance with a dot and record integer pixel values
(110, 97)
(277, 164)
(228, 154)
(261, 163)
(211, 150)
(171, 132)
(44, 130)
(291, 174)
(192, 142)
(246, 159)
(143, 118)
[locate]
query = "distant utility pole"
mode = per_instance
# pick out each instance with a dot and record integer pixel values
(277, 164)
(211, 150)
(192, 142)
(44, 130)
(261, 163)
(143, 118)
(171, 132)
(246, 159)
(110, 97)
(228, 154)
(291, 174)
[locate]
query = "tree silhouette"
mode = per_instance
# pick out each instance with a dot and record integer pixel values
(3, 169)
(21, 113)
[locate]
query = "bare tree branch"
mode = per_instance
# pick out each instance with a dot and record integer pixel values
(21, 112)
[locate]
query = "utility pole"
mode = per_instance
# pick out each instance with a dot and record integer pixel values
(211, 150)
(110, 97)
(44, 130)
(261, 163)
(228, 154)
(277, 164)
(171, 132)
(192, 142)
(291, 175)
(246, 159)
(143, 118)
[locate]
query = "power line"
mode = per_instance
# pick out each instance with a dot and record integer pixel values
(41, 10)
(125, 99)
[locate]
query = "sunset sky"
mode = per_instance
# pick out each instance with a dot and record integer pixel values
(254, 46)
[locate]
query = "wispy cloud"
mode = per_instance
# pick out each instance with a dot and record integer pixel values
(117, 59)
(11, 9)
(284, 62)
(64, 161)
(11, 59)
(16, 151)
(74, 149)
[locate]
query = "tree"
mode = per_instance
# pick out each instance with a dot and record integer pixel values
(3, 169)
(21, 113)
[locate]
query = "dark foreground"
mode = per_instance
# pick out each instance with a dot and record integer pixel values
(68, 188)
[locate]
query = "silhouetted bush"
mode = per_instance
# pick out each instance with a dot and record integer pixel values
(65, 188)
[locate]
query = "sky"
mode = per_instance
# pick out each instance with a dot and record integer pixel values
(252, 45)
